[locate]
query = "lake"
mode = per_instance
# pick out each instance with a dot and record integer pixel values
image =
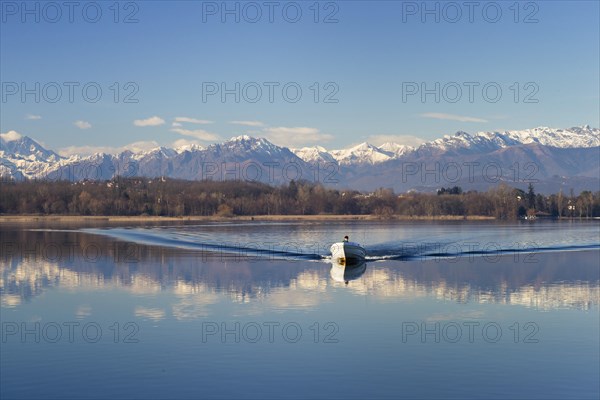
(258, 310)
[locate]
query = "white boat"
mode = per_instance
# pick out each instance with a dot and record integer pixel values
(343, 252)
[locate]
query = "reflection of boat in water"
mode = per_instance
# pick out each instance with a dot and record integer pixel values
(343, 252)
(348, 271)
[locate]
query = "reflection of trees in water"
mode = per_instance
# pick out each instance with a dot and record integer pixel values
(32, 265)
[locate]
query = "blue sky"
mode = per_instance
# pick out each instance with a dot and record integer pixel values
(370, 68)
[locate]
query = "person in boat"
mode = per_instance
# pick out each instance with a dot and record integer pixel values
(345, 238)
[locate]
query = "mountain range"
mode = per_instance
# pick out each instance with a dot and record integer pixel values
(552, 159)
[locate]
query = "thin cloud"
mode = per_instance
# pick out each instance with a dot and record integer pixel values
(152, 121)
(452, 117)
(86, 150)
(247, 123)
(179, 143)
(200, 134)
(82, 124)
(83, 151)
(406, 140)
(176, 124)
(254, 133)
(296, 136)
(193, 120)
(143, 145)
(33, 117)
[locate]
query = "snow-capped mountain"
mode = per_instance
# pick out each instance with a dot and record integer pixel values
(364, 153)
(396, 149)
(188, 147)
(158, 152)
(314, 154)
(22, 157)
(577, 137)
(239, 148)
(583, 136)
(25, 148)
(554, 156)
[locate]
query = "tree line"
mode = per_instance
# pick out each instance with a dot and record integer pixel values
(174, 198)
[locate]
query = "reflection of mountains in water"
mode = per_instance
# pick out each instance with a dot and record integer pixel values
(556, 280)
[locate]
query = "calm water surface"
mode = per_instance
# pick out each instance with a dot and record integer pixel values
(257, 310)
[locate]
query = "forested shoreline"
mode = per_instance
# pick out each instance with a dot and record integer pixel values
(176, 198)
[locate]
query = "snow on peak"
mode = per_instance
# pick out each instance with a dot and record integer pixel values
(577, 137)
(364, 146)
(24, 147)
(564, 138)
(363, 153)
(319, 148)
(395, 148)
(244, 145)
(188, 147)
(313, 154)
(161, 151)
(241, 138)
(245, 140)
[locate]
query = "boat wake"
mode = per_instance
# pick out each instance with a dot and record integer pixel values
(454, 250)
(210, 242)
(259, 250)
